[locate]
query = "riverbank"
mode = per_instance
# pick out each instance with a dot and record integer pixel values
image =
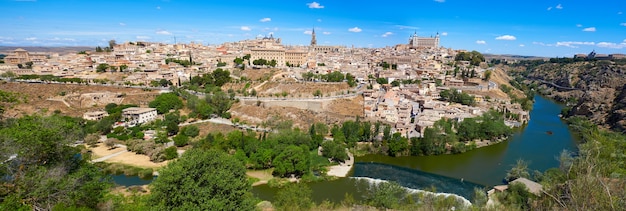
(102, 153)
(342, 169)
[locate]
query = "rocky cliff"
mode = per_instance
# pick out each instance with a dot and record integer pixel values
(595, 89)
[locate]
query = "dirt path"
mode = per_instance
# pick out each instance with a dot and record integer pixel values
(108, 156)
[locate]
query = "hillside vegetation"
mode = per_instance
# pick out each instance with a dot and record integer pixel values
(593, 89)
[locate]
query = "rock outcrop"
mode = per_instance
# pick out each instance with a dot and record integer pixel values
(594, 89)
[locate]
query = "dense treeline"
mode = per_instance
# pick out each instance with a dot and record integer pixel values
(40, 170)
(217, 78)
(474, 57)
(456, 96)
(449, 136)
(184, 63)
(334, 76)
(51, 78)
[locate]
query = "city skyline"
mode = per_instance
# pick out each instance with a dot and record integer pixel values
(536, 28)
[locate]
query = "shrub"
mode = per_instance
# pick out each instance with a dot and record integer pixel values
(170, 153)
(181, 140)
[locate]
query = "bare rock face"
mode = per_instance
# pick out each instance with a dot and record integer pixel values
(617, 117)
(600, 93)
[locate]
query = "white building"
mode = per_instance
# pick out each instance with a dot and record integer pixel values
(424, 42)
(95, 115)
(135, 115)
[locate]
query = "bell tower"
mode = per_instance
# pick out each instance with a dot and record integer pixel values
(313, 39)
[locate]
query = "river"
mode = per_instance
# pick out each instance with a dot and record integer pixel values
(457, 174)
(460, 173)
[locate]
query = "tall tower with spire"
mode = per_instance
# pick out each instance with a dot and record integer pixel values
(313, 39)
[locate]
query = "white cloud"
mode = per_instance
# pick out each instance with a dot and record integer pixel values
(622, 24)
(326, 33)
(308, 32)
(122, 24)
(387, 34)
(521, 45)
(549, 8)
(245, 28)
(158, 7)
(481, 42)
(573, 44)
(315, 5)
(590, 29)
(265, 20)
(319, 20)
(539, 43)
(444, 33)
(612, 45)
(401, 27)
(506, 37)
(559, 6)
(440, 1)
(620, 12)
(579, 25)
(163, 32)
(355, 29)
(31, 38)
(143, 37)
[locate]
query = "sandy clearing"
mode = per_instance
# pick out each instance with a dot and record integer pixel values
(100, 150)
(128, 158)
(263, 175)
(342, 169)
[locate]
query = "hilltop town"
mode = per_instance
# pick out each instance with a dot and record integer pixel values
(400, 85)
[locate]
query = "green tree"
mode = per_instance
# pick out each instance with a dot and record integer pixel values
(294, 197)
(317, 93)
(166, 101)
(520, 169)
(45, 170)
(487, 75)
(385, 195)
(164, 82)
(170, 153)
(219, 183)
(382, 81)
(112, 44)
(191, 131)
(397, 145)
(102, 67)
(221, 77)
(335, 150)
(181, 140)
(292, 160)
(238, 60)
(220, 103)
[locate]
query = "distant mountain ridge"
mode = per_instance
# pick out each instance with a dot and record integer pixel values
(67, 49)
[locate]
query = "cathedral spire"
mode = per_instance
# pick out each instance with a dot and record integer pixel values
(313, 39)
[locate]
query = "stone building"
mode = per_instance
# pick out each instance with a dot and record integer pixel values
(136, 115)
(423, 42)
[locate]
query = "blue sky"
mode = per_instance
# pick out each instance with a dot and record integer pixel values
(532, 27)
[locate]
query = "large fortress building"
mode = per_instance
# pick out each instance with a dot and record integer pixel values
(423, 42)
